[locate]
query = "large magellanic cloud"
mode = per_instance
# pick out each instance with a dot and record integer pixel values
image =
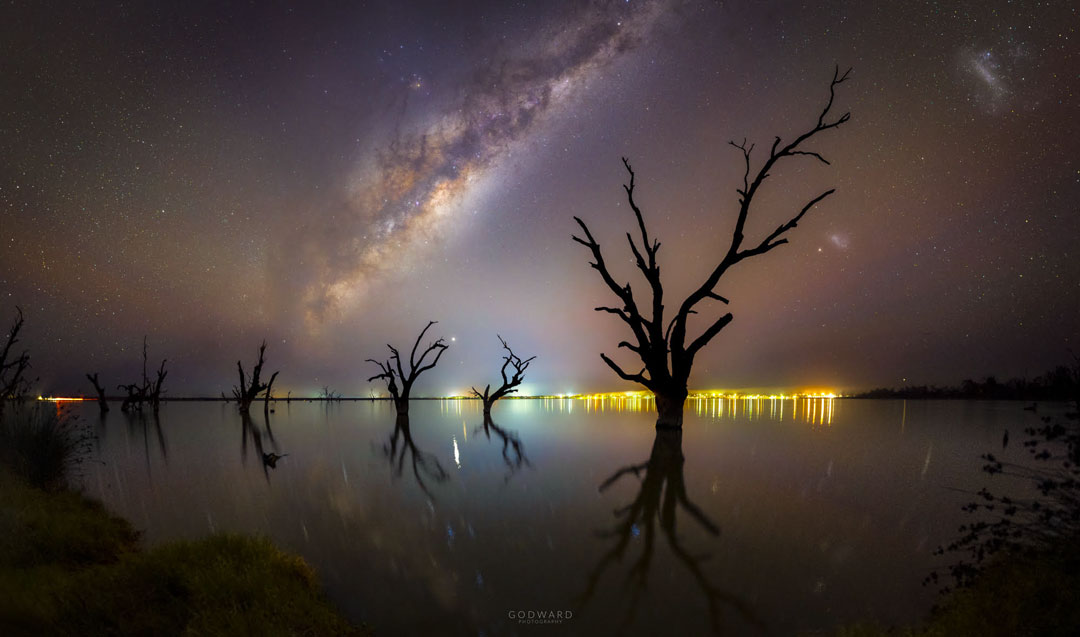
(404, 192)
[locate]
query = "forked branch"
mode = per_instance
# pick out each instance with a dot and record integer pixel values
(668, 354)
(517, 365)
(393, 369)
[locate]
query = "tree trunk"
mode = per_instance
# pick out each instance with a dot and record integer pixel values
(402, 405)
(669, 408)
(488, 404)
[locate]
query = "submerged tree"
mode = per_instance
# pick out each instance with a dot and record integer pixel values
(668, 352)
(156, 386)
(249, 389)
(13, 367)
(103, 403)
(509, 384)
(145, 390)
(392, 369)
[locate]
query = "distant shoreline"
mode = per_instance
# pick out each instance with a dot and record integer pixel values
(354, 399)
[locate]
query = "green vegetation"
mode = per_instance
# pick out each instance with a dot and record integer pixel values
(40, 447)
(69, 567)
(1014, 596)
(1019, 573)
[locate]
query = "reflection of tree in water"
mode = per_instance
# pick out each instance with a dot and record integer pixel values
(138, 421)
(662, 492)
(423, 464)
(513, 451)
(250, 430)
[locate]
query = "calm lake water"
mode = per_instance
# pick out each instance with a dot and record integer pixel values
(766, 517)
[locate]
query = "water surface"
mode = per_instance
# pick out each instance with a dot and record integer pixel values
(764, 517)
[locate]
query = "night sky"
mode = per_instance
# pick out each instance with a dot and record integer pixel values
(332, 176)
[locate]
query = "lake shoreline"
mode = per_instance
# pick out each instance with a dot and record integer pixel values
(70, 566)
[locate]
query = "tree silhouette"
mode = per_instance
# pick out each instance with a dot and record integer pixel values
(662, 493)
(509, 385)
(424, 464)
(248, 428)
(667, 352)
(103, 404)
(249, 389)
(513, 450)
(392, 369)
(13, 367)
(145, 390)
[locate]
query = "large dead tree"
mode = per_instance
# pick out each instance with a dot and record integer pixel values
(509, 384)
(392, 369)
(249, 389)
(665, 348)
(103, 403)
(13, 367)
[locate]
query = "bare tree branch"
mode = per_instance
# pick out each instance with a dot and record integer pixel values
(247, 391)
(509, 383)
(103, 404)
(393, 370)
(666, 355)
(13, 381)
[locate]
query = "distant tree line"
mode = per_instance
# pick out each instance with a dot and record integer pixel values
(1060, 383)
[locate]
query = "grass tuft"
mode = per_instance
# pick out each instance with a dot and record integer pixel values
(42, 447)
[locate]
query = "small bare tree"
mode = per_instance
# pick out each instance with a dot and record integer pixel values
(269, 396)
(103, 403)
(249, 389)
(667, 353)
(144, 391)
(156, 386)
(13, 367)
(509, 384)
(392, 369)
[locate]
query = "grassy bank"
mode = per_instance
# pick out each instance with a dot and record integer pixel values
(1015, 596)
(69, 567)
